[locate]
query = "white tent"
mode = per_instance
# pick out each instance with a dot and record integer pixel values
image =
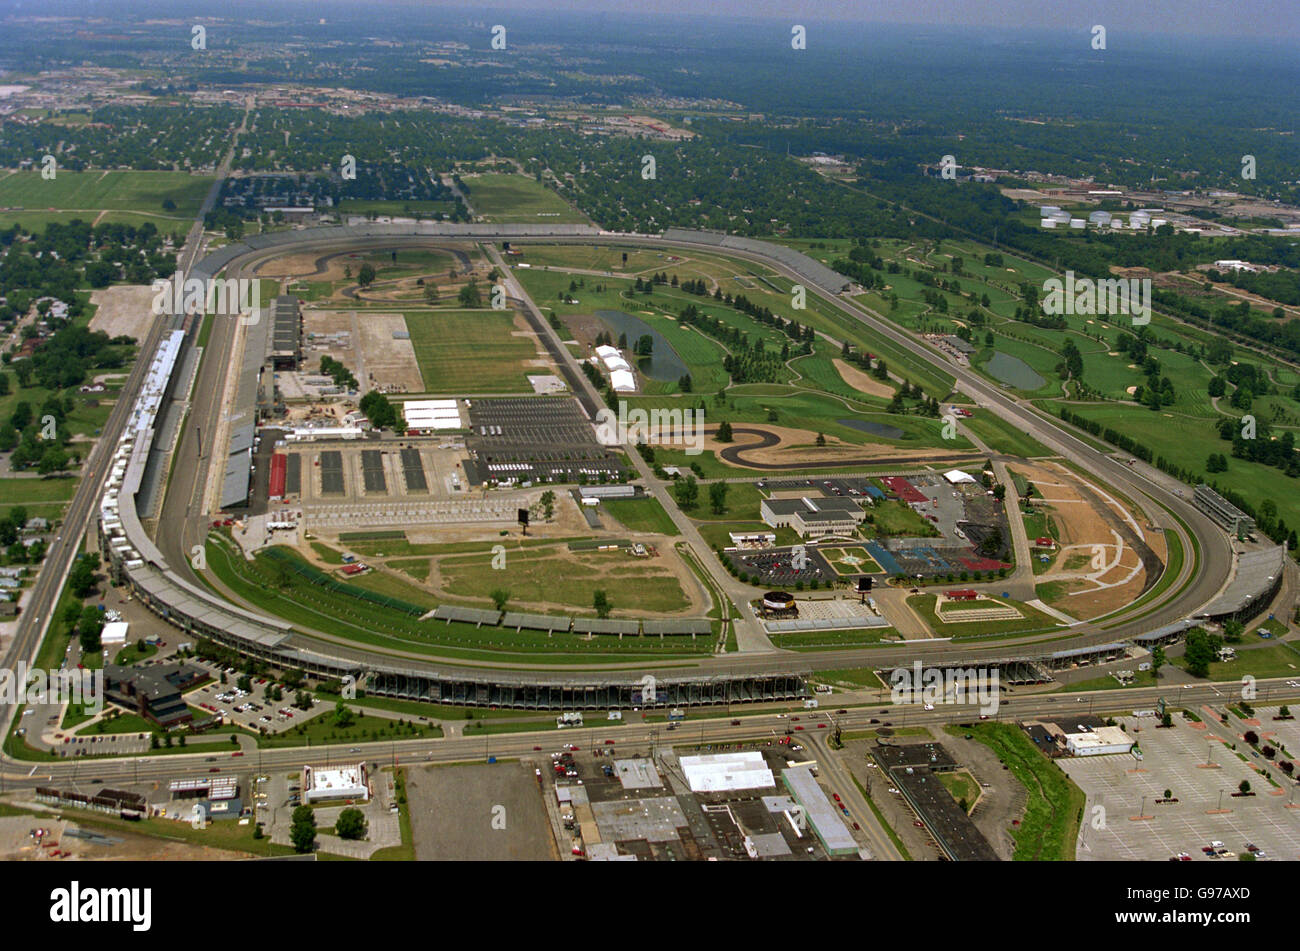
(623, 381)
(957, 477)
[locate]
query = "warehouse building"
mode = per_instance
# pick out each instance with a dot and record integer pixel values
(727, 772)
(431, 415)
(813, 518)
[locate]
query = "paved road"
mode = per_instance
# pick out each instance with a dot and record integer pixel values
(634, 736)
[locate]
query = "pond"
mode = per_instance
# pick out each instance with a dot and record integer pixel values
(875, 429)
(663, 365)
(1005, 368)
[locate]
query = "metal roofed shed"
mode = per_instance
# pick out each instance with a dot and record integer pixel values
(535, 622)
(599, 626)
(476, 616)
(677, 626)
(822, 816)
(727, 772)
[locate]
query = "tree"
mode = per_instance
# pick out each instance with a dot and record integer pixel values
(1200, 651)
(718, 497)
(1157, 661)
(600, 601)
(724, 432)
(821, 439)
(499, 598)
(89, 626)
(366, 276)
(470, 295)
(302, 830)
(342, 715)
(82, 577)
(351, 824)
(687, 492)
(1244, 786)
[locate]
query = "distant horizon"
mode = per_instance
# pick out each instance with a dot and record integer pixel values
(1258, 20)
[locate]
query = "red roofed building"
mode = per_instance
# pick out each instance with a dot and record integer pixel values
(964, 595)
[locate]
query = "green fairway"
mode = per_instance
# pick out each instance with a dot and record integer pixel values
(471, 351)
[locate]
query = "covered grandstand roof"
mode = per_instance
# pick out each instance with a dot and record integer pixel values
(1255, 574)
(535, 622)
(690, 625)
(450, 612)
(599, 626)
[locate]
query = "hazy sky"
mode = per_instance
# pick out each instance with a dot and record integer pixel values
(1267, 18)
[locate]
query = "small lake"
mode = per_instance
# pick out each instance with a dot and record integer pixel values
(664, 364)
(1005, 368)
(875, 429)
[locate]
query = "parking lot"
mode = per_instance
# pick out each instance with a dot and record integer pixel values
(1120, 789)
(775, 566)
(251, 710)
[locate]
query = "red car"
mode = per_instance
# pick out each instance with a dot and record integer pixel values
(835, 796)
(609, 742)
(215, 769)
(537, 749)
(821, 726)
(233, 755)
(800, 727)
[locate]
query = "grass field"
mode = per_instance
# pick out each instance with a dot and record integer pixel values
(640, 515)
(896, 518)
(91, 192)
(470, 351)
(568, 579)
(1032, 620)
(850, 561)
(808, 641)
(296, 600)
(1275, 660)
(512, 198)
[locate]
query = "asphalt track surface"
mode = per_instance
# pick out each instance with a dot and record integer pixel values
(186, 524)
(767, 439)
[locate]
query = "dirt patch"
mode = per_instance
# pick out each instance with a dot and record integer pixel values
(389, 361)
(453, 810)
(862, 382)
(330, 333)
(1107, 554)
(123, 310)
